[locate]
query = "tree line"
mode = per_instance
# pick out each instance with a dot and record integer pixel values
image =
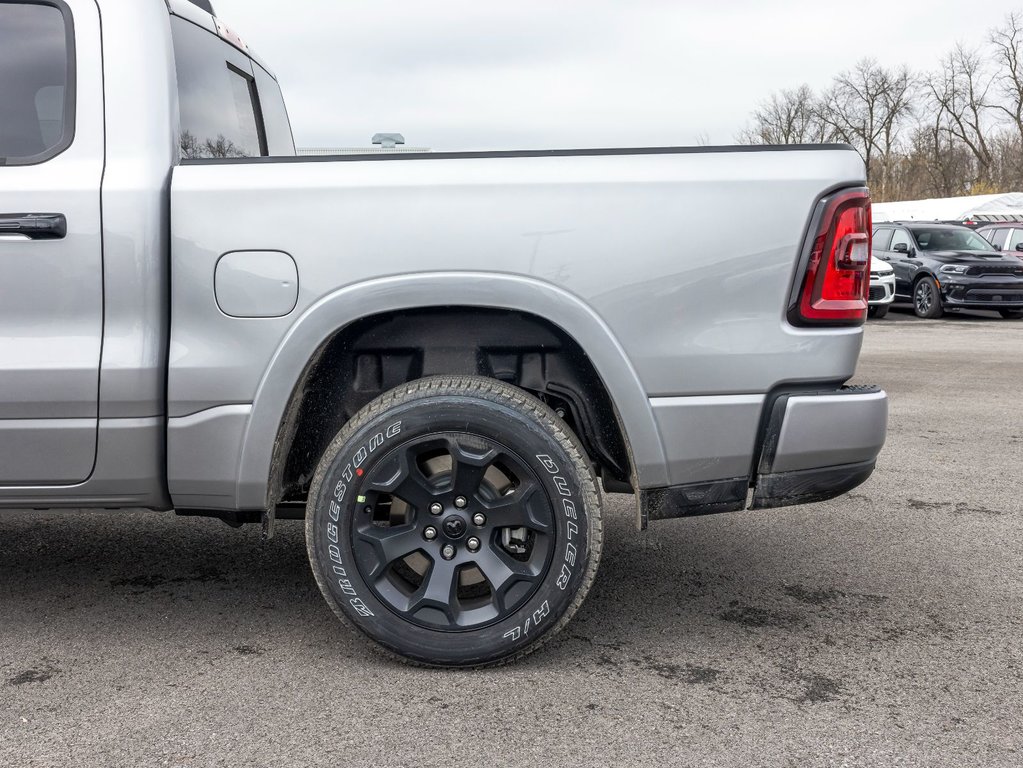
(954, 130)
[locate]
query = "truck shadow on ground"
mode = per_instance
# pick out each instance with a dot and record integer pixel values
(666, 610)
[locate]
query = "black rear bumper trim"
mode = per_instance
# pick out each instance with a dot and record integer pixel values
(809, 485)
(693, 499)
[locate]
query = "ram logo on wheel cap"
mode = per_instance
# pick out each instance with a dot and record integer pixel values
(454, 527)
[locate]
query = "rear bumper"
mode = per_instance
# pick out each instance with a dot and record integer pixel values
(818, 446)
(813, 446)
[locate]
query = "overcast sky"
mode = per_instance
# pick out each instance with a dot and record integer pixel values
(461, 74)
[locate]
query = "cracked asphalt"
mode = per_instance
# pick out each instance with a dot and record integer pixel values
(880, 629)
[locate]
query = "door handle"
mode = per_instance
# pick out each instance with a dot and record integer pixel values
(34, 226)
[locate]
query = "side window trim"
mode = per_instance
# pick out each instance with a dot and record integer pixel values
(70, 89)
(274, 99)
(257, 107)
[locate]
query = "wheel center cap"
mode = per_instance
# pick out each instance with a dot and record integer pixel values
(454, 527)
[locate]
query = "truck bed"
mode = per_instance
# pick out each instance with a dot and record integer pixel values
(684, 257)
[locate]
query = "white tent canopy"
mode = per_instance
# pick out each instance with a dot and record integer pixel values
(1003, 207)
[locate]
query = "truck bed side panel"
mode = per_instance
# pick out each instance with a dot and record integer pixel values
(685, 259)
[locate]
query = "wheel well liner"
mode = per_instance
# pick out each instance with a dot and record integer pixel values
(377, 353)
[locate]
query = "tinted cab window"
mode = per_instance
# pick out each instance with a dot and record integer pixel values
(882, 239)
(36, 83)
(229, 106)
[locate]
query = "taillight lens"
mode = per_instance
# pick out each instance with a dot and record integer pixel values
(836, 282)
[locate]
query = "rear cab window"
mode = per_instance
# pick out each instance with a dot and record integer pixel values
(37, 81)
(229, 105)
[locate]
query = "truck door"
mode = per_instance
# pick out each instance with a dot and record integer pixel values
(51, 259)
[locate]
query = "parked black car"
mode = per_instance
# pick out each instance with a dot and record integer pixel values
(942, 266)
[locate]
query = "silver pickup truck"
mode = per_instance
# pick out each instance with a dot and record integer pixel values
(433, 359)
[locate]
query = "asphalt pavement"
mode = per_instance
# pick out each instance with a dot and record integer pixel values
(884, 628)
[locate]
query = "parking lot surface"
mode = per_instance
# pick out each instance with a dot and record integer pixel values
(883, 628)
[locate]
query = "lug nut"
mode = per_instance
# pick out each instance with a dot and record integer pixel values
(447, 552)
(473, 544)
(460, 502)
(436, 508)
(430, 533)
(479, 519)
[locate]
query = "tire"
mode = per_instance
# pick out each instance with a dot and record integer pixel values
(437, 441)
(1011, 314)
(878, 311)
(927, 299)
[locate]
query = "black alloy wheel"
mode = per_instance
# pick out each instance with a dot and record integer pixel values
(927, 299)
(455, 521)
(454, 533)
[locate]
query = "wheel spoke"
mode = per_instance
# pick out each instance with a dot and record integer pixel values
(400, 476)
(414, 490)
(503, 572)
(468, 468)
(523, 507)
(438, 589)
(389, 544)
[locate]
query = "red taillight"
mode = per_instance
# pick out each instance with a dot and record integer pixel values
(837, 279)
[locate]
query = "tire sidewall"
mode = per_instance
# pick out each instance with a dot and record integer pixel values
(936, 305)
(565, 479)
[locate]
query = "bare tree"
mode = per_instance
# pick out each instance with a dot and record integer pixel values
(868, 107)
(960, 95)
(1007, 46)
(787, 117)
(955, 131)
(936, 164)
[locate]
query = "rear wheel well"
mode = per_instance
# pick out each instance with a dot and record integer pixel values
(380, 352)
